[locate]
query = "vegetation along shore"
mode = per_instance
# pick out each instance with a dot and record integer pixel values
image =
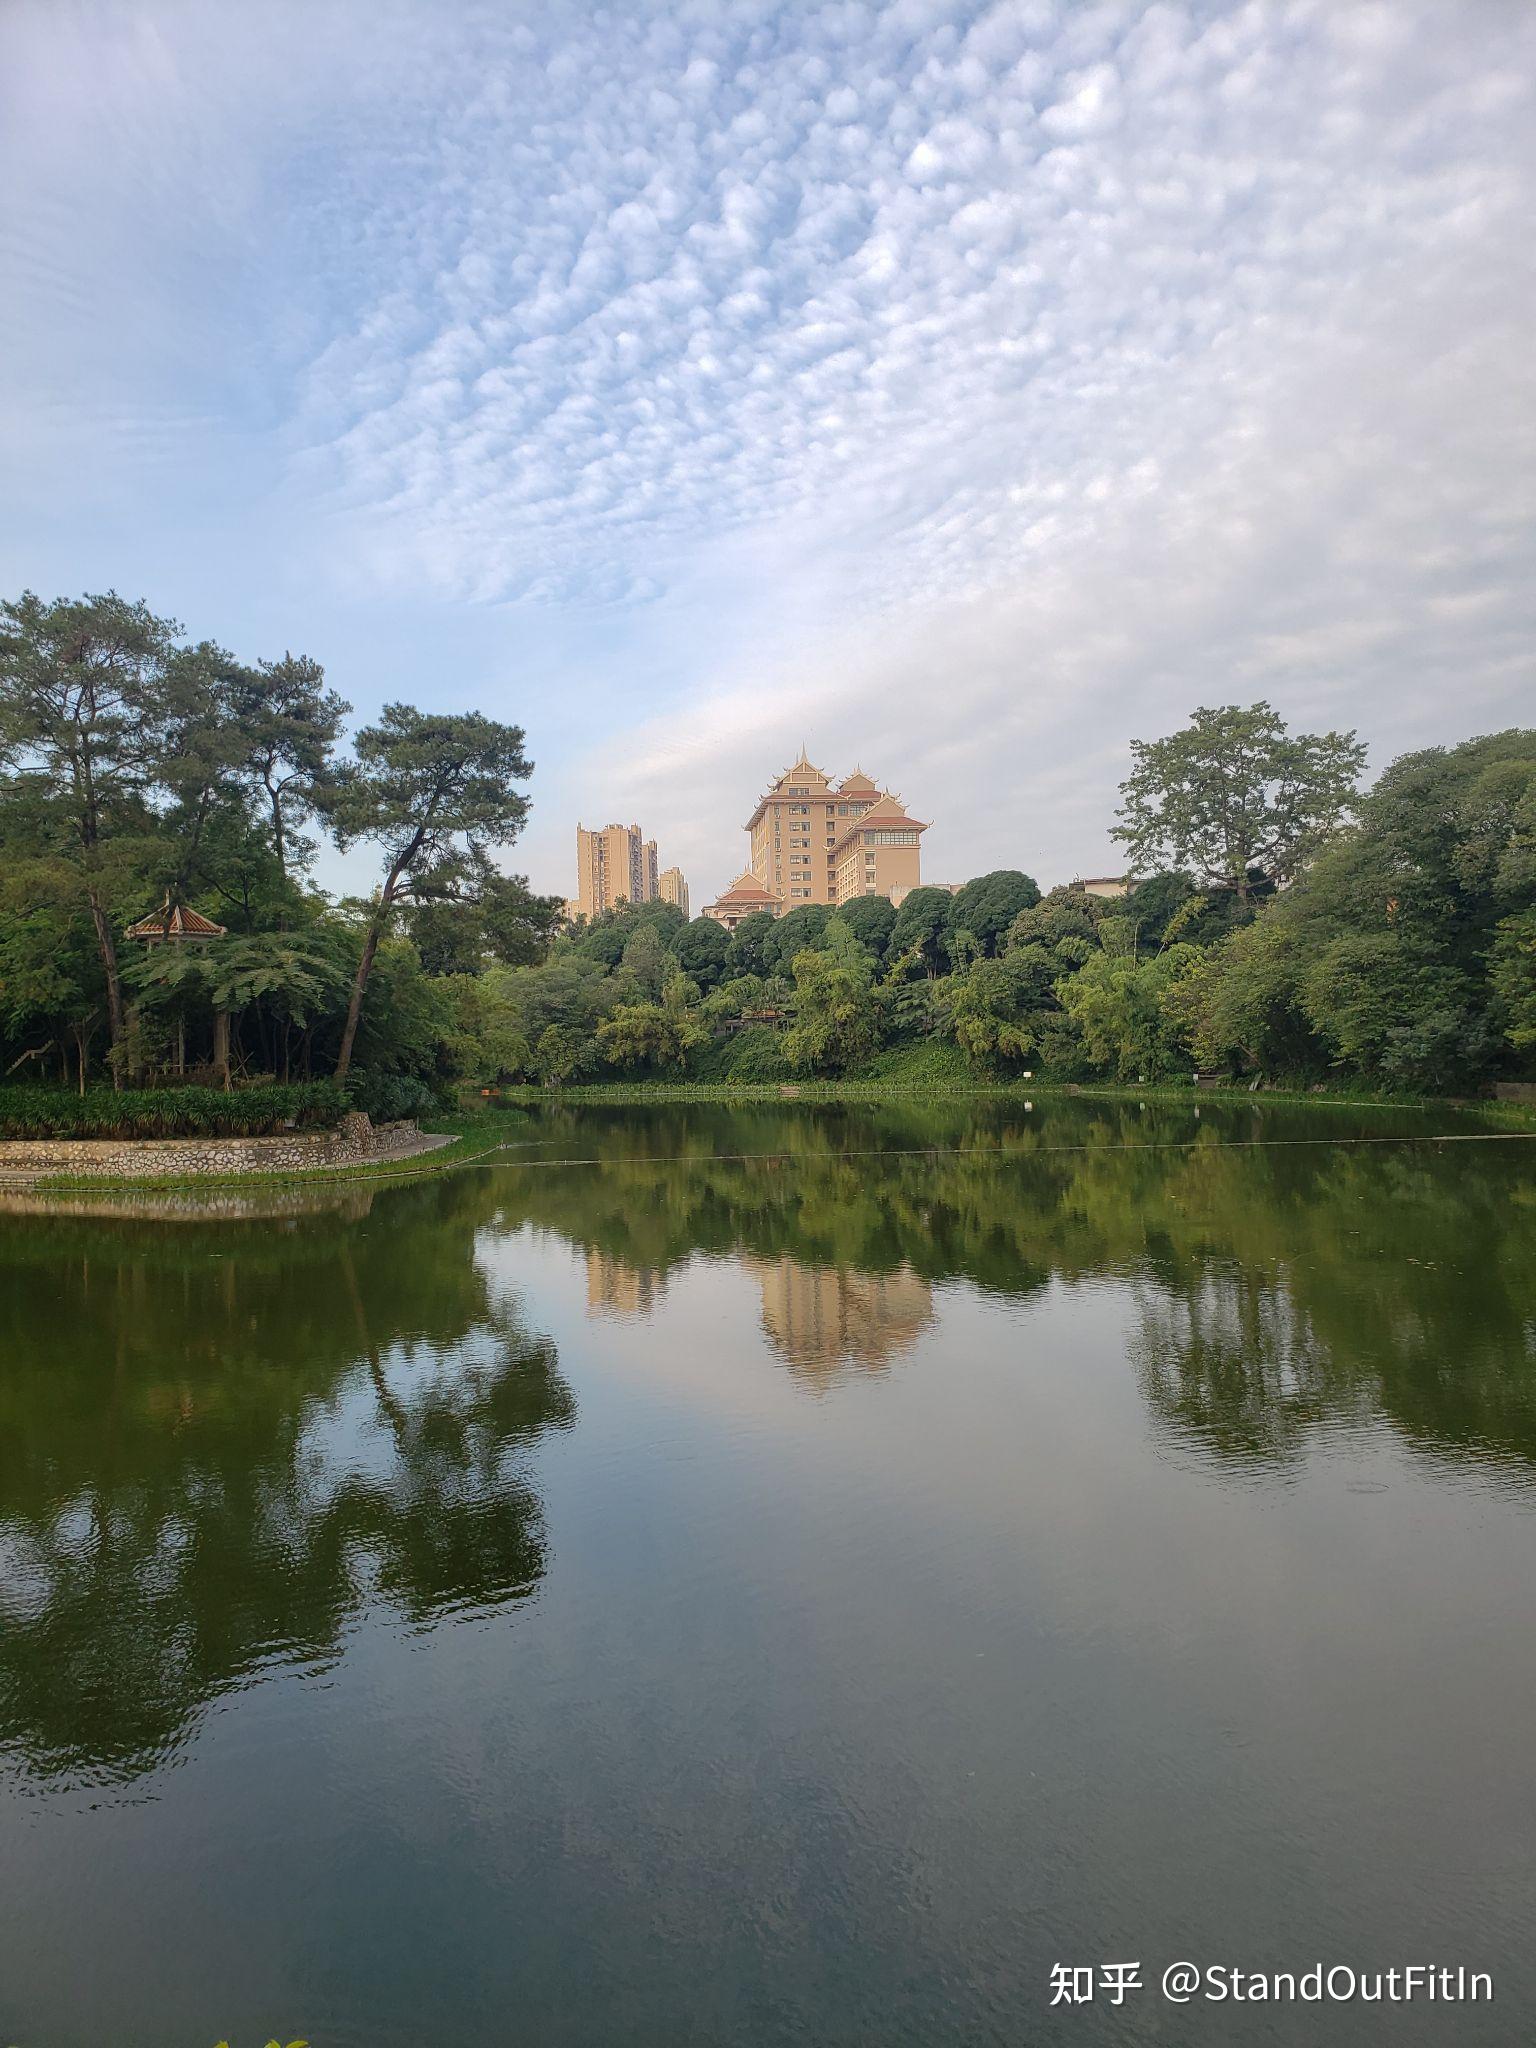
(161, 803)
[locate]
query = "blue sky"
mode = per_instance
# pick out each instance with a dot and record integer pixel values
(964, 390)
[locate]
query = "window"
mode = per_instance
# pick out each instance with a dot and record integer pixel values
(890, 839)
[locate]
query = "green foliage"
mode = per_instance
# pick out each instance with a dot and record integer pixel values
(839, 1013)
(921, 925)
(495, 920)
(171, 1112)
(987, 907)
(390, 1098)
(1119, 1009)
(653, 1035)
(1514, 976)
(434, 790)
(796, 932)
(700, 950)
(871, 919)
(563, 1052)
(748, 950)
(1235, 794)
(1065, 922)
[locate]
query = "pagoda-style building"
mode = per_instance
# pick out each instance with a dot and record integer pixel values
(819, 841)
(744, 898)
(175, 924)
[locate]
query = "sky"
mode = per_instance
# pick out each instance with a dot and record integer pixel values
(962, 391)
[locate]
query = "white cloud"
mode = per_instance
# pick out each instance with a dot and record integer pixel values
(962, 386)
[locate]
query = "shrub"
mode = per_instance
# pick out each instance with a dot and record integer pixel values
(171, 1112)
(390, 1098)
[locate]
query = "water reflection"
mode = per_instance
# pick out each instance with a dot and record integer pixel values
(820, 1319)
(222, 1444)
(1284, 1281)
(224, 1441)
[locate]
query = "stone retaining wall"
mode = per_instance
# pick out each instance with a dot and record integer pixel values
(353, 1139)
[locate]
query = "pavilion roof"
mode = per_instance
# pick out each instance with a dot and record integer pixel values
(175, 921)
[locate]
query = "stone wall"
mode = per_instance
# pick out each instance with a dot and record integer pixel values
(353, 1139)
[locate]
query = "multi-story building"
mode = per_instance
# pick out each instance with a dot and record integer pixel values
(671, 888)
(878, 853)
(614, 866)
(810, 845)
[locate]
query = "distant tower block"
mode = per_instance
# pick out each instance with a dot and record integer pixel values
(614, 866)
(671, 888)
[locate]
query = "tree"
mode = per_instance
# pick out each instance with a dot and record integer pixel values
(654, 1034)
(82, 740)
(434, 789)
(987, 906)
(1065, 921)
(646, 959)
(1124, 1023)
(1514, 977)
(291, 723)
(921, 923)
(993, 1010)
(838, 1011)
(793, 933)
(748, 952)
(1240, 1007)
(1234, 794)
(563, 1051)
(700, 950)
(871, 920)
(493, 917)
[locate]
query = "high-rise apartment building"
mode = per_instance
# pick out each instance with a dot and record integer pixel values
(814, 841)
(613, 866)
(671, 888)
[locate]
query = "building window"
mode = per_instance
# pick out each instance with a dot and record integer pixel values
(890, 839)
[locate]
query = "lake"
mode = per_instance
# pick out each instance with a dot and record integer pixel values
(778, 1574)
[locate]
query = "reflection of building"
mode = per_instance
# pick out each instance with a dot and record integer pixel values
(616, 1288)
(671, 888)
(612, 866)
(820, 1318)
(814, 841)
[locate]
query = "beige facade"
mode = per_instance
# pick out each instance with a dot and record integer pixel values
(671, 888)
(878, 853)
(808, 844)
(614, 866)
(823, 1319)
(1104, 885)
(745, 896)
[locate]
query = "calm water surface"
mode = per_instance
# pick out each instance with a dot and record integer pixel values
(770, 1576)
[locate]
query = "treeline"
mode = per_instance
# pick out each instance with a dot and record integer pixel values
(1286, 927)
(141, 773)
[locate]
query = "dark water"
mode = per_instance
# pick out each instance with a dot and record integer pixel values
(772, 1581)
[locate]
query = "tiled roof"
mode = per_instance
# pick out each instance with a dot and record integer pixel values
(887, 812)
(746, 888)
(175, 921)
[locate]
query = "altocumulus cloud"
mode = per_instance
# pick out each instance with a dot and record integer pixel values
(969, 387)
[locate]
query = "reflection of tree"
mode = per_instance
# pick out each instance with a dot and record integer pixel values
(237, 1438)
(821, 1318)
(1279, 1284)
